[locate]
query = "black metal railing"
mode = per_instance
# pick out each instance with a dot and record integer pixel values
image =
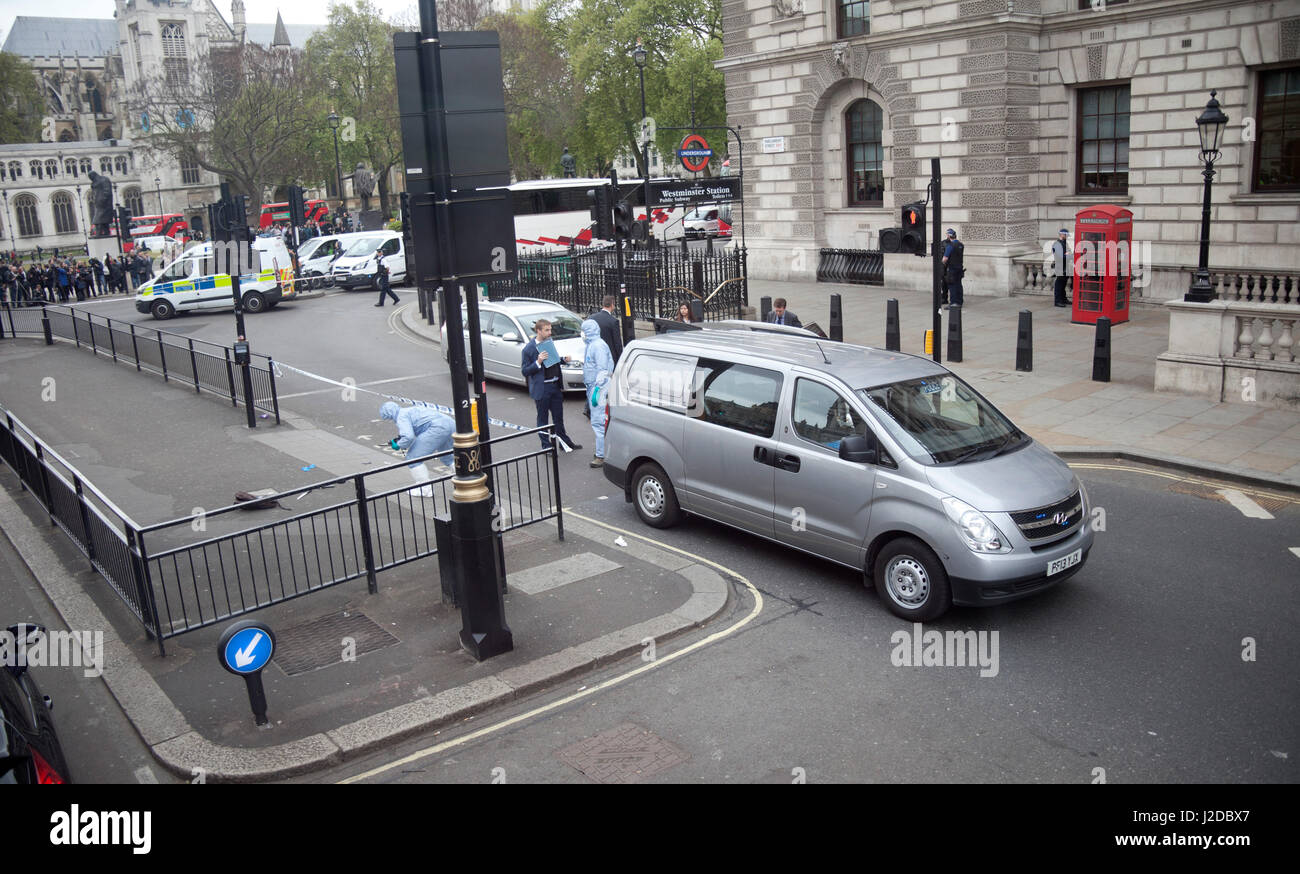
(174, 584)
(658, 280)
(199, 364)
(860, 266)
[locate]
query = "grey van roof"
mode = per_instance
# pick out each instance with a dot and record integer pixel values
(857, 366)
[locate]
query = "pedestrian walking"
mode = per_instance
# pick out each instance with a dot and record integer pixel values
(597, 371)
(421, 431)
(1064, 263)
(545, 385)
(953, 268)
(610, 330)
(381, 280)
(782, 316)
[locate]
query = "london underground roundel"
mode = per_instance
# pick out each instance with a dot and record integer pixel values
(694, 153)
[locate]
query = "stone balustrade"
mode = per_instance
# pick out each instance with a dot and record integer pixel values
(1265, 338)
(1161, 282)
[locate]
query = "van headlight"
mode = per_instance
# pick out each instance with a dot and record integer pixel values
(976, 529)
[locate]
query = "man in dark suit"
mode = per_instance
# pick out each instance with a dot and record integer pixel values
(610, 330)
(545, 385)
(782, 316)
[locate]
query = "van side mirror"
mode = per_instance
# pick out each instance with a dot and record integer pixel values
(860, 450)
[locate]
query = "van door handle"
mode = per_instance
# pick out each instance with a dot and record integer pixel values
(760, 455)
(788, 462)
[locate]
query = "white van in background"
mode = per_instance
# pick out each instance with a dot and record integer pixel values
(356, 267)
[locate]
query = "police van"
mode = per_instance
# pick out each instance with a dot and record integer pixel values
(188, 283)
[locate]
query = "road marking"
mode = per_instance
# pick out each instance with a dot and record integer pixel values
(1248, 508)
(326, 391)
(1079, 465)
(589, 690)
(1295, 550)
(145, 774)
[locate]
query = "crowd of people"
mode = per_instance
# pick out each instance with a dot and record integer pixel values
(61, 279)
(344, 223)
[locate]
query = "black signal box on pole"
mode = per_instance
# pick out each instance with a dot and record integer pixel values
(297, 209)
(602, 225)
(913, 232)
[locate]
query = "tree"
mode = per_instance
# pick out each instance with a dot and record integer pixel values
(353, 56)
(21, 103)
(541, 109)
(244, 113)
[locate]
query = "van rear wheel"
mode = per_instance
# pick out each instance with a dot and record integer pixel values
(654, 497)
(911, 580)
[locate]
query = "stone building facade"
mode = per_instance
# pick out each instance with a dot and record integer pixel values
(1036, 109)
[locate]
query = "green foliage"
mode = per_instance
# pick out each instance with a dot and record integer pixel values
(20, 101)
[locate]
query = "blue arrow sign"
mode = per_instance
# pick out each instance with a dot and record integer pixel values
(247, 649)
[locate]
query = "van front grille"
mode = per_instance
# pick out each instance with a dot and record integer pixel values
(1050, 521)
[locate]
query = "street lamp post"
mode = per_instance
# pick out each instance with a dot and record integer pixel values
(157, 185)
(639, 55)
(1210, 126)
(9, 221)
(334, 121)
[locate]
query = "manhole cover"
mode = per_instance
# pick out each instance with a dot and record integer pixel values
(1201, 490)
(625, 754)
(319, 643)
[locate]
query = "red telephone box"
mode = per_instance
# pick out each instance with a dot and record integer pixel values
(1103, 264)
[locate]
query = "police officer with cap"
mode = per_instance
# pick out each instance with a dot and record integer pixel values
(1063, 263)
(952, 267)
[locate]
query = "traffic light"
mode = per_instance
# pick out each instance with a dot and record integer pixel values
(623, 220)
(891, 239)
(237, 218)
(601, 227)
(913, 233)
(124, 224)
(297, 210)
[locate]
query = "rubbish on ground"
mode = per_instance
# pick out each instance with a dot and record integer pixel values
(619, 541)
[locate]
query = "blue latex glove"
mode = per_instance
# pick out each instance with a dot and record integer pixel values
(595, 396)
(393, 443)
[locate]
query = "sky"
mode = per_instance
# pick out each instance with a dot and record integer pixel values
(294, 11)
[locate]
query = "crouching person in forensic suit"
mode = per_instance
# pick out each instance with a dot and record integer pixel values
(421, 431)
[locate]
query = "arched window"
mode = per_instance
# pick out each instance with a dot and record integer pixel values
(35, 167)
(15, 170)
(51, 168)
(65, 213)
(119, 165)
(131, 197)
(865, 153)
(175, 62)
(106, 165)
(70, 166)
(67, 137)
(29, 223)
(86, 166)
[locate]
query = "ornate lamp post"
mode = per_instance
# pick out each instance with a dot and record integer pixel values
(1210, 126)
(9, 221)
(334, 121)
(157, 185)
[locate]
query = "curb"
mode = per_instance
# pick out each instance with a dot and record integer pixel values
(1174, 462)
(182, 750)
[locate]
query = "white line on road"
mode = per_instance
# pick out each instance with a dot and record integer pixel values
(1248, 508)
(1295, 550)
(326, 391)
(145, 774)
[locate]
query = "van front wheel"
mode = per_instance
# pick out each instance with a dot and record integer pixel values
(254, 302)
(654, 497)
(162, 310)
(911, 580)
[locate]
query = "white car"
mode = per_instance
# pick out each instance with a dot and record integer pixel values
(355, 268)
(507, 326)
(317, 255)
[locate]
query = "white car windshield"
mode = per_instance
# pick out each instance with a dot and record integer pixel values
(363, 247)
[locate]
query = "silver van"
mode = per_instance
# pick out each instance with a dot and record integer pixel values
(884, 462)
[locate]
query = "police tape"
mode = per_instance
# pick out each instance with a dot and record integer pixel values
(280, 366)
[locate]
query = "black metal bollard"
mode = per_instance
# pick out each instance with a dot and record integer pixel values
(1025, 342)
(954, 333)
(45, 326)
(837, 319)
(1101, 352)
(892, 340)
(764, 307)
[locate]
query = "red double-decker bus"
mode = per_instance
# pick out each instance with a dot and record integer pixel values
(315, 211)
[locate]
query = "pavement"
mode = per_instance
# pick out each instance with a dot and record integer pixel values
(574, 605)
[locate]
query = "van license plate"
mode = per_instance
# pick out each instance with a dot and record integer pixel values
(1060, 564)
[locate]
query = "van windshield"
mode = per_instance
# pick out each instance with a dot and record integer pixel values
(942, 420)
(364, 247)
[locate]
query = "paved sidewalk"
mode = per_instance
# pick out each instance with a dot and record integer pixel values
(573, 605)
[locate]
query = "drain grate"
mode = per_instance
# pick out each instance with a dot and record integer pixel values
(1201, 490)
(319, 643)
(625, 754)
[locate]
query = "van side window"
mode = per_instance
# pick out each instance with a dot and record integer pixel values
(389, 248)
(823, 416)
(659, 381)
(737, 396)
